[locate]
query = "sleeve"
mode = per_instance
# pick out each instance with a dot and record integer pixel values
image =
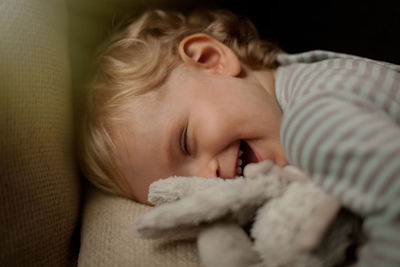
(351, 148)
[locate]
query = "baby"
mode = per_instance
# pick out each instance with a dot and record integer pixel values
(203, 95)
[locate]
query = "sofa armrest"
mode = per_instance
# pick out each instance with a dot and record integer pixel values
(39, 182)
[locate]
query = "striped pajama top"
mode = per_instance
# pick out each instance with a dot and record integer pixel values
(341, 125)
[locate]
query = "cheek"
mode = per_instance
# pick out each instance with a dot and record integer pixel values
(140, 188)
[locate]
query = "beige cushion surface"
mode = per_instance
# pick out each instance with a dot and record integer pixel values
(39, 185)
(107, 237)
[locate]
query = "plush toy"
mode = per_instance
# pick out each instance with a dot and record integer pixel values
(273, 217)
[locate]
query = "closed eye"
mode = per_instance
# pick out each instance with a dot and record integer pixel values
(183, 141)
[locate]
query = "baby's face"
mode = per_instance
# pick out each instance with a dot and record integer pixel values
(198, 124)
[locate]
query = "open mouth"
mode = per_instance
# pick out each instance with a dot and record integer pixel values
(245, 156)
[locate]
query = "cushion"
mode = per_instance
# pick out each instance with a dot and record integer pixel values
(39, 184)
(107, 237)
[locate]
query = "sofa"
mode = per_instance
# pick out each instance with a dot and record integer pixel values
(48, 215)
(39, 180)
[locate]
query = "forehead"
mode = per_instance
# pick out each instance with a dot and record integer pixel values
(140, 134)
(141, 110)
(149, 119)
(140, 119)
(153, 108)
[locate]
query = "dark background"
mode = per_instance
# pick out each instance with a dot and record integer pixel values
(364, 28)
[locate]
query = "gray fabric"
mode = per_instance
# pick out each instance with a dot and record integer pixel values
(341, 124)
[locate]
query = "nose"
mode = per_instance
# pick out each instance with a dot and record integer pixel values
(208, 168)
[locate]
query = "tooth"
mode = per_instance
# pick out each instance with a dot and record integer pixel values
(240, 153)
(239, 162)
(239, 170)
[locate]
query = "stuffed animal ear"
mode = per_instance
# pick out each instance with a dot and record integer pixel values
(144, 227)
(235, 200)
(174, 188)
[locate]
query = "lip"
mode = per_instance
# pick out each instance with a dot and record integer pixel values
(258, 157)
(273, 156)
(235, 174)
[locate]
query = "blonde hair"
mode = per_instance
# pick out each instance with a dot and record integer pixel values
(138, 59)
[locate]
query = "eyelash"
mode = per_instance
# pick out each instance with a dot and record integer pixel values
(183, 142)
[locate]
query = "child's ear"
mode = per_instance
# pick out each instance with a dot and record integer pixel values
(203, 51)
